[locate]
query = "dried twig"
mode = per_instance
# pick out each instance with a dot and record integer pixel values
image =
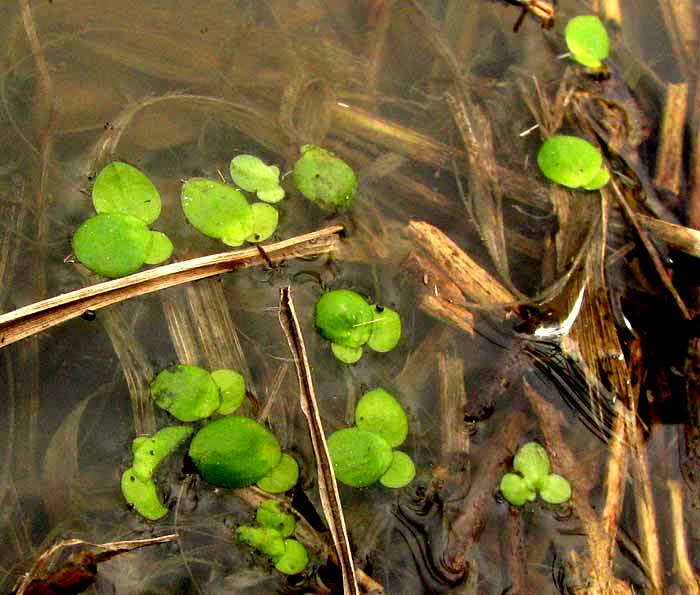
(41, 316)
(327, 486)
(669, 159)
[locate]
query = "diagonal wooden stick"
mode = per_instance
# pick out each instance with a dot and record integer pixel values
(327, 486)
(41, 316)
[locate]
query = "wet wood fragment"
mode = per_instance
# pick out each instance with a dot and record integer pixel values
(676, 236)
(669, 159)
(476, 284)
(453, 402)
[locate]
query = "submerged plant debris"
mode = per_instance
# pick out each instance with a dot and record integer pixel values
(517, 184)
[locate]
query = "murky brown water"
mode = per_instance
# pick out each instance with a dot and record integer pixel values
(573, 342)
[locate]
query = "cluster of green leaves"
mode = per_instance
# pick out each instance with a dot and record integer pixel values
(587, 40)
(271, 535)
(363, 454)
(572, 162)
(349, 322)
(222, 212)
(117, 241)
(232, 452)
(532, 476)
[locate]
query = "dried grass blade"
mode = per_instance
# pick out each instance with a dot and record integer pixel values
(327, 486)
(42, 315)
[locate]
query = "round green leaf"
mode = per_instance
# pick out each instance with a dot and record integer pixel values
(231, 388)
(386, 329)
(516, 490)
(283, 477)
(345, 354)
(569, 160)
(295, 558)
(217, 210)
(532, 462)
(265, 540)
(359, 457)
(188, 393)
(112, 244)
(251, 173)
(343, 316)
(587, 40)
(379, 412)
(142, 494)
(149, 451)
(401, 471)
(234, 452)
(265, 218)
(272, 195)
(323, 178)
(271, 515)
(121, 188)
(599, 180)
(555, 489)
(160, 249)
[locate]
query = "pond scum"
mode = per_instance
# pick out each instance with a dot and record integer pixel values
(535, 318)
